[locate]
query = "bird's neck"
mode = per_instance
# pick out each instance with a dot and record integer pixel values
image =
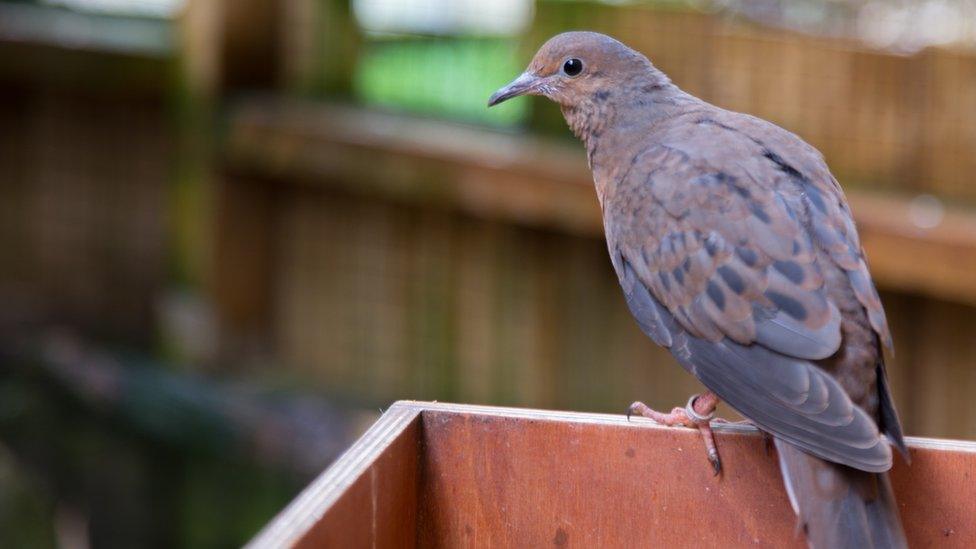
(616, 124)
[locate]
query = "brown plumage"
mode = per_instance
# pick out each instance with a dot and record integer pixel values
(736, 250)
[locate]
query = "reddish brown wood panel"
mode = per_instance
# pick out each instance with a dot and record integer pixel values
(510, 481)
(380, 508)
(493, 481)
(443, 475)
(937, 494)
(367, 498)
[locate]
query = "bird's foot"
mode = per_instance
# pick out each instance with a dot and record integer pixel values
(696, 414)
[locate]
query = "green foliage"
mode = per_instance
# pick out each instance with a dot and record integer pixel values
(133, 483)
(225, 502)
(451, 77)
(26, 517)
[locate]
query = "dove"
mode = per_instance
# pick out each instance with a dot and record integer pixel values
(736, 250)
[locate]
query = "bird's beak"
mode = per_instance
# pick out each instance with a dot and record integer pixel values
(522, 85)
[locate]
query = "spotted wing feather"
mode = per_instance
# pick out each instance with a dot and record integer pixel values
(715, 250)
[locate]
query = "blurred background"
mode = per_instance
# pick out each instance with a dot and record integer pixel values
(232, 232)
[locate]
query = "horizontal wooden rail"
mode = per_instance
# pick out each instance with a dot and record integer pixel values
(533, 181)
(444, 475)
(84, 52)
(145, 36)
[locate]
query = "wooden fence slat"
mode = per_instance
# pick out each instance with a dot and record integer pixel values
(536, 182)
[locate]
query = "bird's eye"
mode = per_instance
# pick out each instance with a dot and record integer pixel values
(572, 67)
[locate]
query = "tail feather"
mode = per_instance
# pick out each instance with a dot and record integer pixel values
(837, 506)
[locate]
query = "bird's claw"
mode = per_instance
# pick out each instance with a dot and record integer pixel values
(695, 414)
(715, 461)
(709, 439)
(767, 442)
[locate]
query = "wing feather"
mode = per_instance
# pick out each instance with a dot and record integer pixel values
(721, 261)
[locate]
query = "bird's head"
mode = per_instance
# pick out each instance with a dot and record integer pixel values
(577, 68)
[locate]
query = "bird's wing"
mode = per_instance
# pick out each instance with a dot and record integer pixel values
(717, 254)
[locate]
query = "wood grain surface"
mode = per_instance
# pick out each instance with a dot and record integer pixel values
(367, 498)
(442, 475)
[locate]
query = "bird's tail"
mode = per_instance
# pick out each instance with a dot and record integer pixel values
(839, 507)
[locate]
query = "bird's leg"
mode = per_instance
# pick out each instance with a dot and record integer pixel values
(697, 414)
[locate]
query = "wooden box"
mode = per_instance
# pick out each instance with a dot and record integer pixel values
(444, 475)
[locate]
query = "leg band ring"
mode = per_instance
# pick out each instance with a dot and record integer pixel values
(695, 416)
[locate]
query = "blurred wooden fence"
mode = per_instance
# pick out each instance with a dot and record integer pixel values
(423, 259)
(86, 152)
(432, 268)
(410, 260)
(894, 122)
(904, 123)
